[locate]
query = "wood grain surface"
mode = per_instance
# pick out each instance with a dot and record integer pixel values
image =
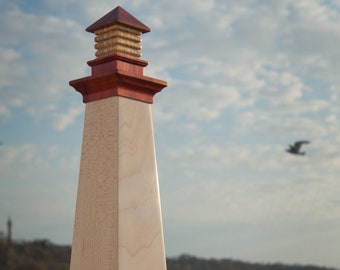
(118, 223)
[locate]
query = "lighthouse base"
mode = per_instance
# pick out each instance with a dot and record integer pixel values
(118, 222)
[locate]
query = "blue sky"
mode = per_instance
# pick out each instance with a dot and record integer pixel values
(246, 78)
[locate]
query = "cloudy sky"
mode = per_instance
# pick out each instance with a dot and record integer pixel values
(246, 78)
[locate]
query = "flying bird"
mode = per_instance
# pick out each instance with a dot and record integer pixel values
(295, 149)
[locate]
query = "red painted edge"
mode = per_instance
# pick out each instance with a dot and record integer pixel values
(141, 88)
(117, 56)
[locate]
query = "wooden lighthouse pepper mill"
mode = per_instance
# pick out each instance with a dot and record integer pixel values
(118, 221)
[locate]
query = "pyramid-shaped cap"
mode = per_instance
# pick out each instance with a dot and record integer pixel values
(120, 16)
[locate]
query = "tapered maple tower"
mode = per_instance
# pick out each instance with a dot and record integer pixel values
(118, 222)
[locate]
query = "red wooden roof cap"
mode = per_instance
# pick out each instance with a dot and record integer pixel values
(118, 15)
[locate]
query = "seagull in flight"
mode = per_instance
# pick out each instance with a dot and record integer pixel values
(295, 149)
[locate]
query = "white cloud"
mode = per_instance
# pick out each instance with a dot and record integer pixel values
(38, 60)
(160, 114)
(34, 177)
(202, 102)
(265, 201)
(4, 111)
(63, 119)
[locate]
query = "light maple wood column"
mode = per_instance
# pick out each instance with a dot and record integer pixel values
(118, 221)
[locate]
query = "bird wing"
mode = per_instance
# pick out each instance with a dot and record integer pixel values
(298, 144)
